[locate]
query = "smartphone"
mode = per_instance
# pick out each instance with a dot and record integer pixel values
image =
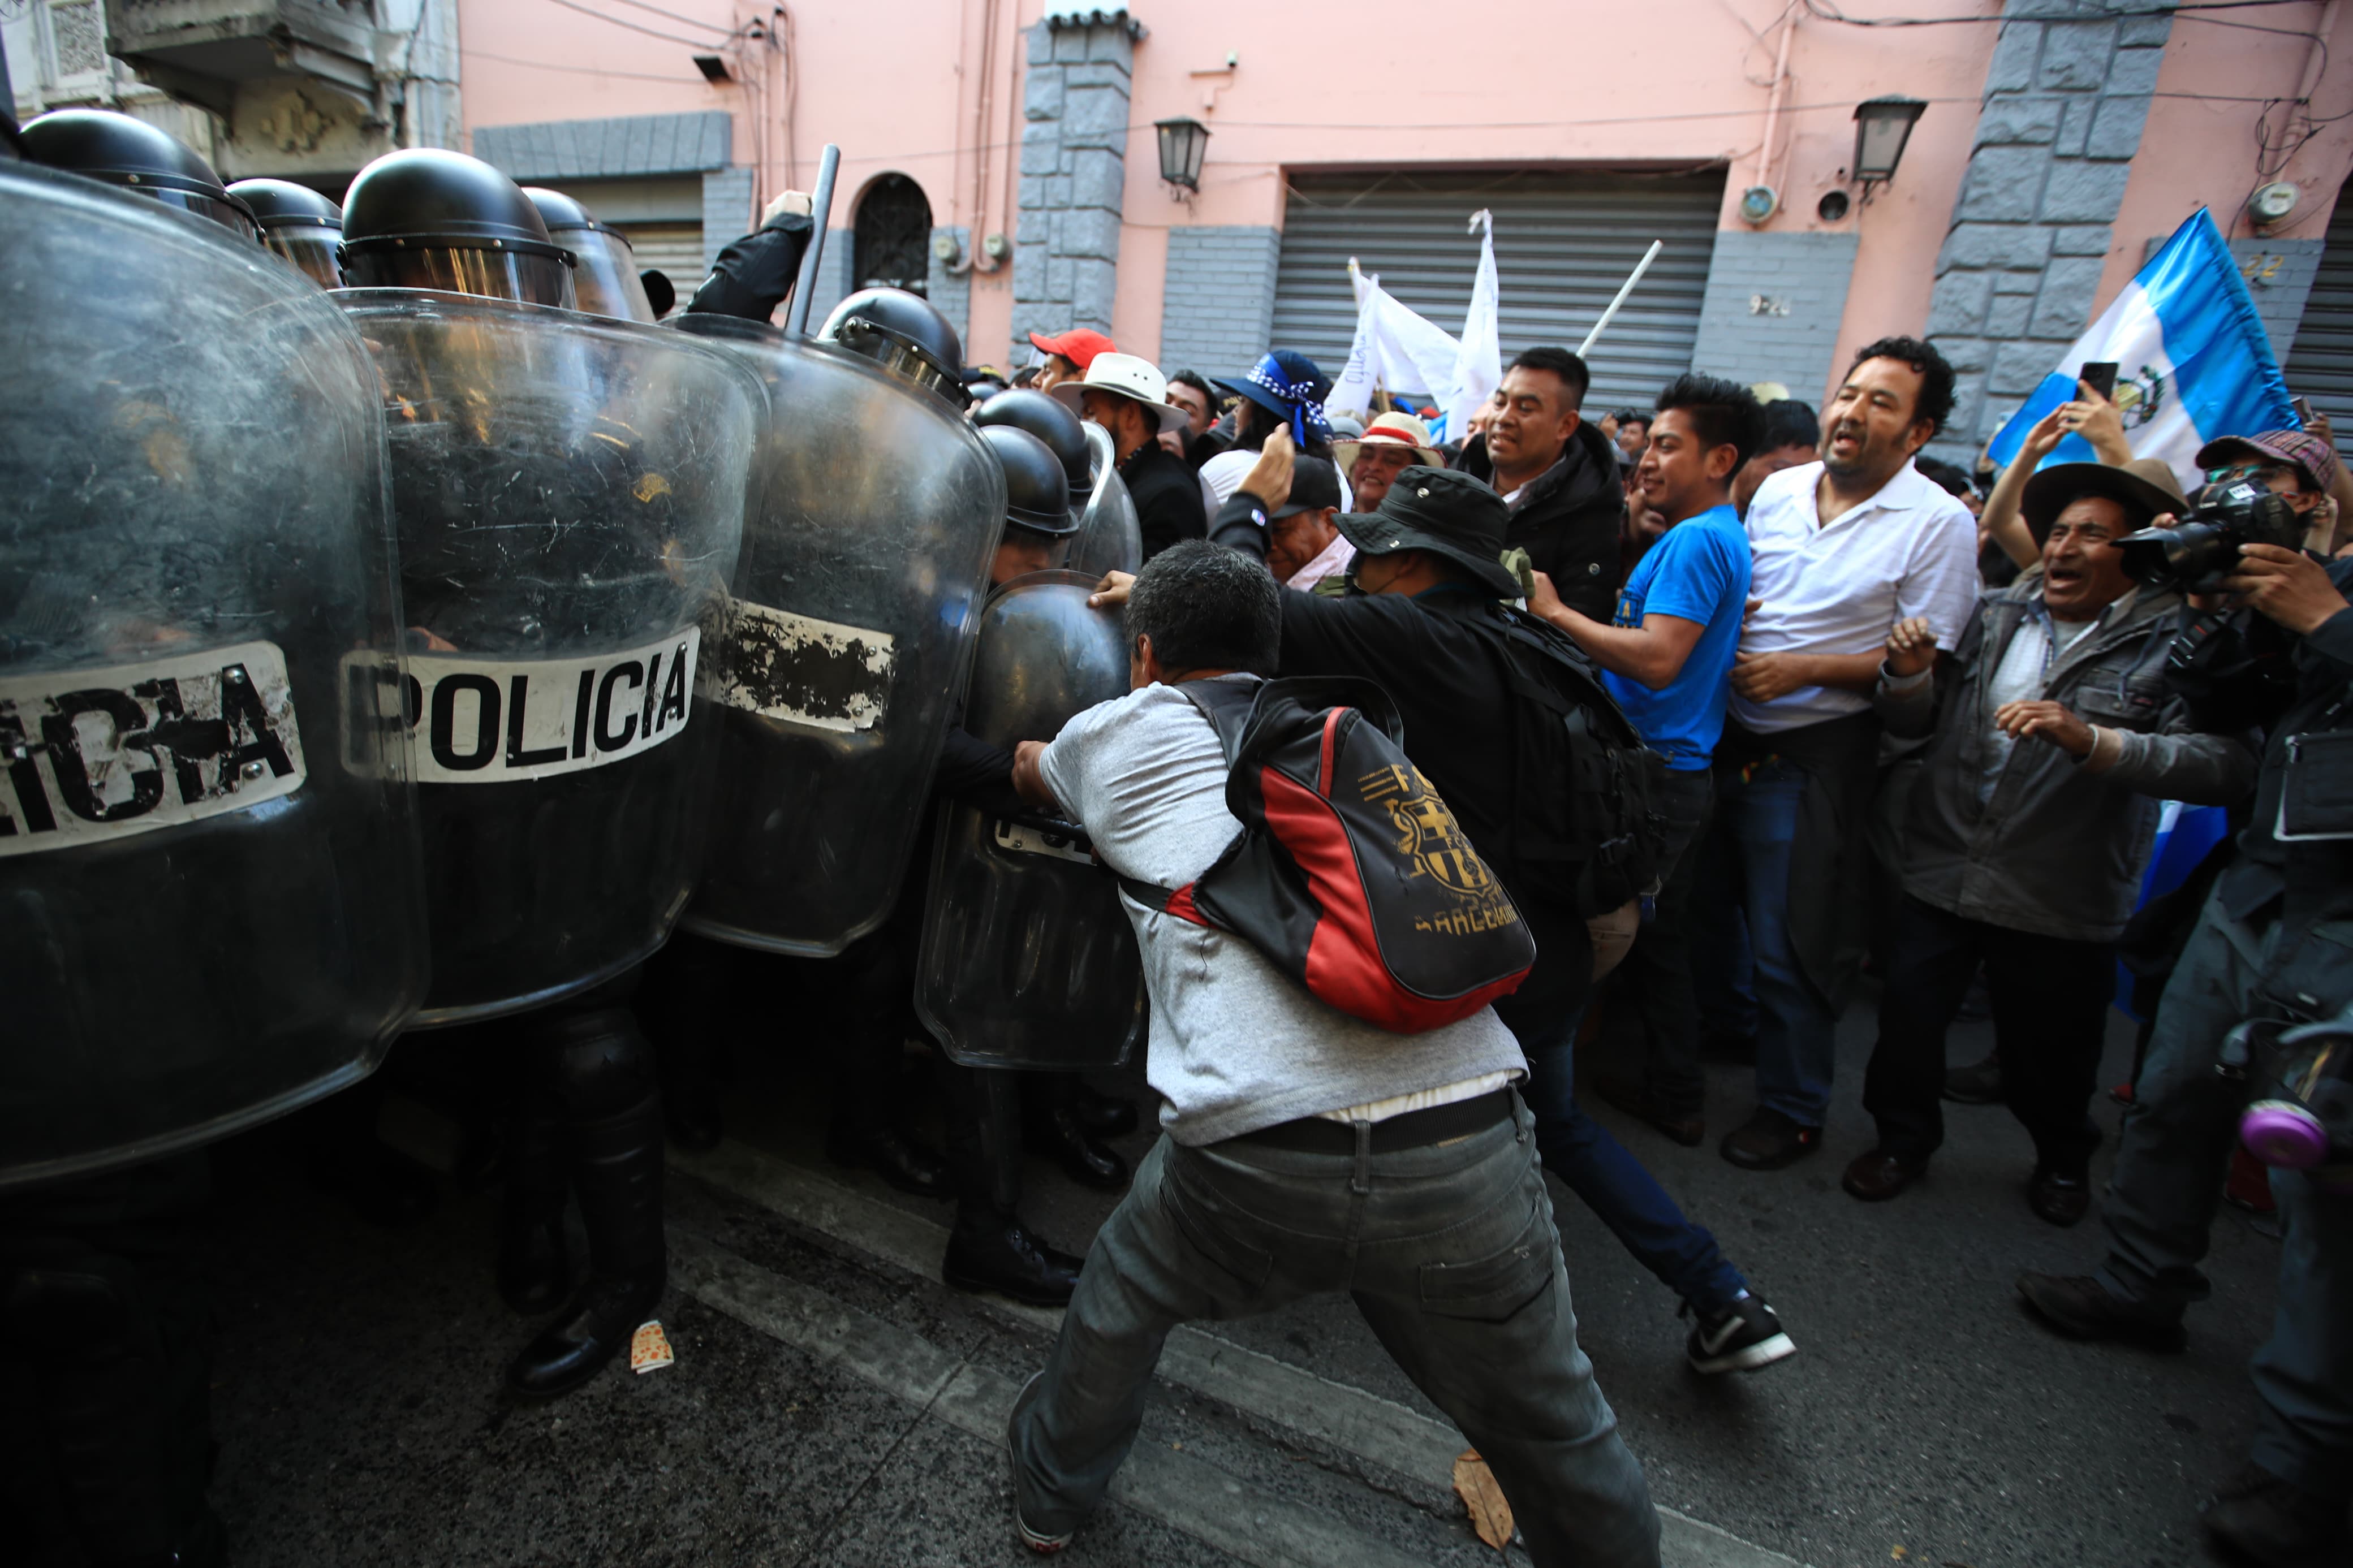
(2100, 376)
(2303, 408)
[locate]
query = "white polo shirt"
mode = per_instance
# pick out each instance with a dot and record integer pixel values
(1911, 550)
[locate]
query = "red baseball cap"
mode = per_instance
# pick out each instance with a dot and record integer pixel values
(1079, 345)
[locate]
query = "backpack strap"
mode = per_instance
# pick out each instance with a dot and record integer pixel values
(1226, 705)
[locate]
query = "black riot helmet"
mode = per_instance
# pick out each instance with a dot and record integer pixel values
(1051, 422)
(605, 277)
(131, 154)
(428, 218)
(298, 223)
(1036, 491)
(902, 334)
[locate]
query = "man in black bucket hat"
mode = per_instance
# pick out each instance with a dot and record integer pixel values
(1427, 623)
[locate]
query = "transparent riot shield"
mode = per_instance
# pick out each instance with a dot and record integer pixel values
(210, 908)
(1110, 535)
(866, 554)
(1027, 960)
(569, 494)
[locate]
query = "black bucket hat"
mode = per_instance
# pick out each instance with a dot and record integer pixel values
(1444, 513)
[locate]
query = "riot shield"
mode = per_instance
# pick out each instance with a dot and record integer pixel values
(1027, 960)
(569, 494)
(210, 909)
(865, 556)
(1110, 535)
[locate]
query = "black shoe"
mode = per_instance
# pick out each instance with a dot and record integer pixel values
(1101, 1115)
(2059, 1199)
(1010, 1261)
(1769, 1140)
(904, 1164)
(1979, 1083)
(1743, 1336)
(2081, 1307)
(2258, 1518)
(596, 1328)
(1054, 1131)
(1877, 1175)
(1635, 1096)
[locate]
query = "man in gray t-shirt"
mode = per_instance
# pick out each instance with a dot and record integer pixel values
(1306, 1151)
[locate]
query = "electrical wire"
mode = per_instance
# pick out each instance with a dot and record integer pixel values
(579, 70)
(1826, 10)
(632, 26)
(678, 16)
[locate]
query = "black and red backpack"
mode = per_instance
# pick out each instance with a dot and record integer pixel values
(1350, 874)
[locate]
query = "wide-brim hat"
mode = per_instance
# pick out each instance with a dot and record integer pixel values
(1445, 512)
(1130, 376)
(1391, 430)
(2144, 483)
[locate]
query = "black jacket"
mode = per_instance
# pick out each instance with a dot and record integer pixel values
(751, 277)
(1167, 495)
(1569, 520)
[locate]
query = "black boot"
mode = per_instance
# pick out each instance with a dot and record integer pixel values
(534, 1266)
(990, 1251)
(1051, 1127)
(901, 1162)
(616, 1157)
(1103, 1115)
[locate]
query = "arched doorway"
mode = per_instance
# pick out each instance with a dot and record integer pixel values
(891, 243)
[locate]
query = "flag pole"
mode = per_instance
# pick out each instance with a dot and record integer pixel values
(1628, 287)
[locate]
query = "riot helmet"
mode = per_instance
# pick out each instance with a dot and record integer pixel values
(120, 151)
(1036, 491)
(428, 218)
(298, 223)
(605, 278)
(904, 335)
(1052, 423)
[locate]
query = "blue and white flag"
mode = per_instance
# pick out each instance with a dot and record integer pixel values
(2192, 361)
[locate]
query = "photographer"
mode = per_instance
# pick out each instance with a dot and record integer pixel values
(2274, 940)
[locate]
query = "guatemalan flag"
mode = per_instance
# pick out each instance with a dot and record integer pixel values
(2192, 361)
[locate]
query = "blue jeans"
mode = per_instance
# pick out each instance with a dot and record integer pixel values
(1608, 1180)
(1795, 1031)
(1450, 1252)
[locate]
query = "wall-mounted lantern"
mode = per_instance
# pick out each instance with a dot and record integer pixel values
(1882, 126)
(1182, 143)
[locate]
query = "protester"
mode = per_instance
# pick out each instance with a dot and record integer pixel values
(1632, 432)
(1843, 548)
(1066, 356)
(1390, 445)
(1188, 391)
(1278, 1115)
(2270, 943)
(1284, 390)
(1668, 658)
(1305, 549)
(1428, 628)
(1126, 396)
(2053, 740)
(1557, 475)
(1791, 428)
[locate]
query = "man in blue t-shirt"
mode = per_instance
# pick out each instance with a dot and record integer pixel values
(1667, 660)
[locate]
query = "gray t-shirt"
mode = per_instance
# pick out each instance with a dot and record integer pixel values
(1236, 1045)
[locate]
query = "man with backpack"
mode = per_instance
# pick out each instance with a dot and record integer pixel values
(1489, 699)
(1304, 1149)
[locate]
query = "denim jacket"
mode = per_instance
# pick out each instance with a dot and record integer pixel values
(2053, 845)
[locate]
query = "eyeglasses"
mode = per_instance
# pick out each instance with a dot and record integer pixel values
(2261, 473)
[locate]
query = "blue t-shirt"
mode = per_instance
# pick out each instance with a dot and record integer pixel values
(1698, 570)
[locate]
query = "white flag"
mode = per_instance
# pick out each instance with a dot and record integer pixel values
(1479, 362)
(1396, 350)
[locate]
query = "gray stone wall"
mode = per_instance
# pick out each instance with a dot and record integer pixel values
(1773, 306)
(726, 211)
(1073, 175)
(1217, 312)
(2065, 98)
(950, 293)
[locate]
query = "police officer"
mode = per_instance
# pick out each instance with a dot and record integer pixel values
(298, 225)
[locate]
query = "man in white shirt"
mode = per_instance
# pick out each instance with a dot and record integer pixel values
(1304, 1150)
(1843, 547)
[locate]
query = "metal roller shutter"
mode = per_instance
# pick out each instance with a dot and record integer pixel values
(1564, 244)
(674, 248)
(2320, 361)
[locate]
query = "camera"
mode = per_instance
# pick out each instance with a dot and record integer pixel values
(2195, 557)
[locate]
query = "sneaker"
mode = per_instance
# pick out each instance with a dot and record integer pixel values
(2259, 1518)
(2081, 1307)
(1768, 1140)
(1037, 1540)
(1742, 1336)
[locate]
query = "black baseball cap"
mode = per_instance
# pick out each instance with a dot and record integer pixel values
(1445, 512)
(1314, 485)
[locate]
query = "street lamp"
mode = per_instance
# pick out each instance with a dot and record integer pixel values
(1182, 143)
(1882, 126)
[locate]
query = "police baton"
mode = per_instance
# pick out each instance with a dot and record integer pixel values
(796, 315)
